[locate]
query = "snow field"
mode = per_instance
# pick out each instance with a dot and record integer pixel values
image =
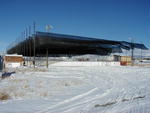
(104, 89)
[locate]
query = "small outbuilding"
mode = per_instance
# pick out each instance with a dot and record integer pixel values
(125, 60)
(13, 61)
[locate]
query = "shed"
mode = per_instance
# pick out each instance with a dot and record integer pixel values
(125, 60)
(13, 61)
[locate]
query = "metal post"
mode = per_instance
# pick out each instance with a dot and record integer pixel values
(34, 41)
(23, 47)
(141, 55)
(20, 45)
(30, 44)
(27, 44)
(22, 50)
(131, 47)
(24, 36)
(47, 58)
(132, 52)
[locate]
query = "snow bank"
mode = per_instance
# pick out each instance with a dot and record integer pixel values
(85, 64)
(12, 65)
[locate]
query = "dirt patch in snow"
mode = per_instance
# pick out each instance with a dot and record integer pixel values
(114, 102)
(106, 104)
(139, 97)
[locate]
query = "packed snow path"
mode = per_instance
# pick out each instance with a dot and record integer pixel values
(78, 90)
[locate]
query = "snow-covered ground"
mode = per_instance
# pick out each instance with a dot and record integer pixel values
(103, 89)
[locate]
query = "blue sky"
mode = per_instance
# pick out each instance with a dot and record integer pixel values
(107, 19)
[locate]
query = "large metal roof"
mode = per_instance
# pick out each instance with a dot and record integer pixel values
(69, 44)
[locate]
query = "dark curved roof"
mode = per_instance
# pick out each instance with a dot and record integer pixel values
(69, 44)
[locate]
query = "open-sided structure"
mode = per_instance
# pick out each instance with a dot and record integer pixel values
(60, 44)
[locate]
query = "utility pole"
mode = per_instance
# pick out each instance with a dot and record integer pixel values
(20, 45)
(16, 45)
(48, 28)
(34, 42)
(27, 45)
(30, 44)
(132, 51)
(23, 47)
(24, 36)
(141, 55)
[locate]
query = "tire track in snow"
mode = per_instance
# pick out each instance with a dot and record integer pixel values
(60, 77)
(93, 98)
(69, 100)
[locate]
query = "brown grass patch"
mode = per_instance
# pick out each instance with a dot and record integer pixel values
(4, 96)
